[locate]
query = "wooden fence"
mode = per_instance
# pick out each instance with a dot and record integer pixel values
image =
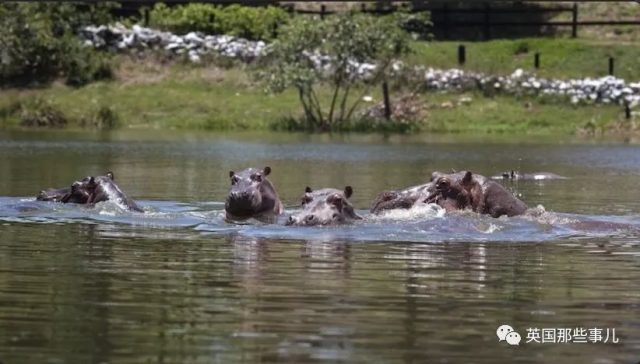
(445, 16)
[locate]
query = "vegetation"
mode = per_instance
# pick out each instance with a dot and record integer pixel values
(187, 97)
(242, 21)
(39, 43)
(308, 53)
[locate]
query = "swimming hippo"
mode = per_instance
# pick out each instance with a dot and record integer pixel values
(326, 206)
(252, 195)
(450, 193)
(100, 189)
(482, 194)
(404, 199)
(538, 176)
(407, 198)
(66, 195)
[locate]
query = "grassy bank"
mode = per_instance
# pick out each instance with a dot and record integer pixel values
(153, 95)
(559, 58)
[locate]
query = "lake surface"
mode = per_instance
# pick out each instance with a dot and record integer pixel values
(178, 284)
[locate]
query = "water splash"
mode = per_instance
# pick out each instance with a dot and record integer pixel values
(425, 223)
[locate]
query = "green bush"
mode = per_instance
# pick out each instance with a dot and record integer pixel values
(38, 43)
(105, 117)
(42, 113)
(346, 39)
(242, 21)
(419, 24)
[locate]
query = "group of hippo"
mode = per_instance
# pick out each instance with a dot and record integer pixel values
(252, 195)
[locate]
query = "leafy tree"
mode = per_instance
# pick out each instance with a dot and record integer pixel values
(309, 52)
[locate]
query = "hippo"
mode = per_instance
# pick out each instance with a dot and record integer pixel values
(100, 189)
(404, 199)
(252, 195)
(482, 194)
(407, 198)
(450, 193)
(327, 206)
(65, 195)
(537, 176)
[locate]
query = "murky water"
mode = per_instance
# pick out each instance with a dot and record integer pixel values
(178, 284)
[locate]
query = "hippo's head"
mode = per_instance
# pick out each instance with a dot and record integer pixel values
(83, 191)
(449, 192)
(310, 195)
(251, 193)
(80, 191)
(324, 207)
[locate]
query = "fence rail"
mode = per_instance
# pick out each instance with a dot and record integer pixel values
(446, 14)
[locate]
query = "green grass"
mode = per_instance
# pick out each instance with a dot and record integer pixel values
(511, 115)
(180, 100)
(214, 99)
(559, 58)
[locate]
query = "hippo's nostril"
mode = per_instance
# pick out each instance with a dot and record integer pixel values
(335, 216)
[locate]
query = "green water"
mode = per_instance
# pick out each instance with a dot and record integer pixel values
(180, 285)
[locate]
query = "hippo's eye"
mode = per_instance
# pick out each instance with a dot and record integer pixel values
(257, 177)
(310, 218)
(234, 180)
(335, 216)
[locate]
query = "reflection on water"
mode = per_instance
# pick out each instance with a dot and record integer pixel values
(179, 285)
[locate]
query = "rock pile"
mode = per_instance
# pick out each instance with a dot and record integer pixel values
(605, 90)
(193, 44)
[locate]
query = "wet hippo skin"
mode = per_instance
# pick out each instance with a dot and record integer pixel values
(252, 195)
(327, 206)
(103, 188)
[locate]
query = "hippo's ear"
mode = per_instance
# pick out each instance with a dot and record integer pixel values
(266, 171)
(348, 191)
(308, 189)
(111, 176)
(92, 180)
(231, 174)
(336, 201)
(467, 178)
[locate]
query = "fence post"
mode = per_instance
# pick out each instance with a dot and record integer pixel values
(536, 60)
(387, 103)
(363, 7)
(627, 110)
(462, 54)
(574, 21)
(323, 9)
(611, 64)
(486, 12)
(146, 16)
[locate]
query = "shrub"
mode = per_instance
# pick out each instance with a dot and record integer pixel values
(42, 113)
(343, 41)
(104, 117)
(419, 24)
(39, 43)
(242, 21)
